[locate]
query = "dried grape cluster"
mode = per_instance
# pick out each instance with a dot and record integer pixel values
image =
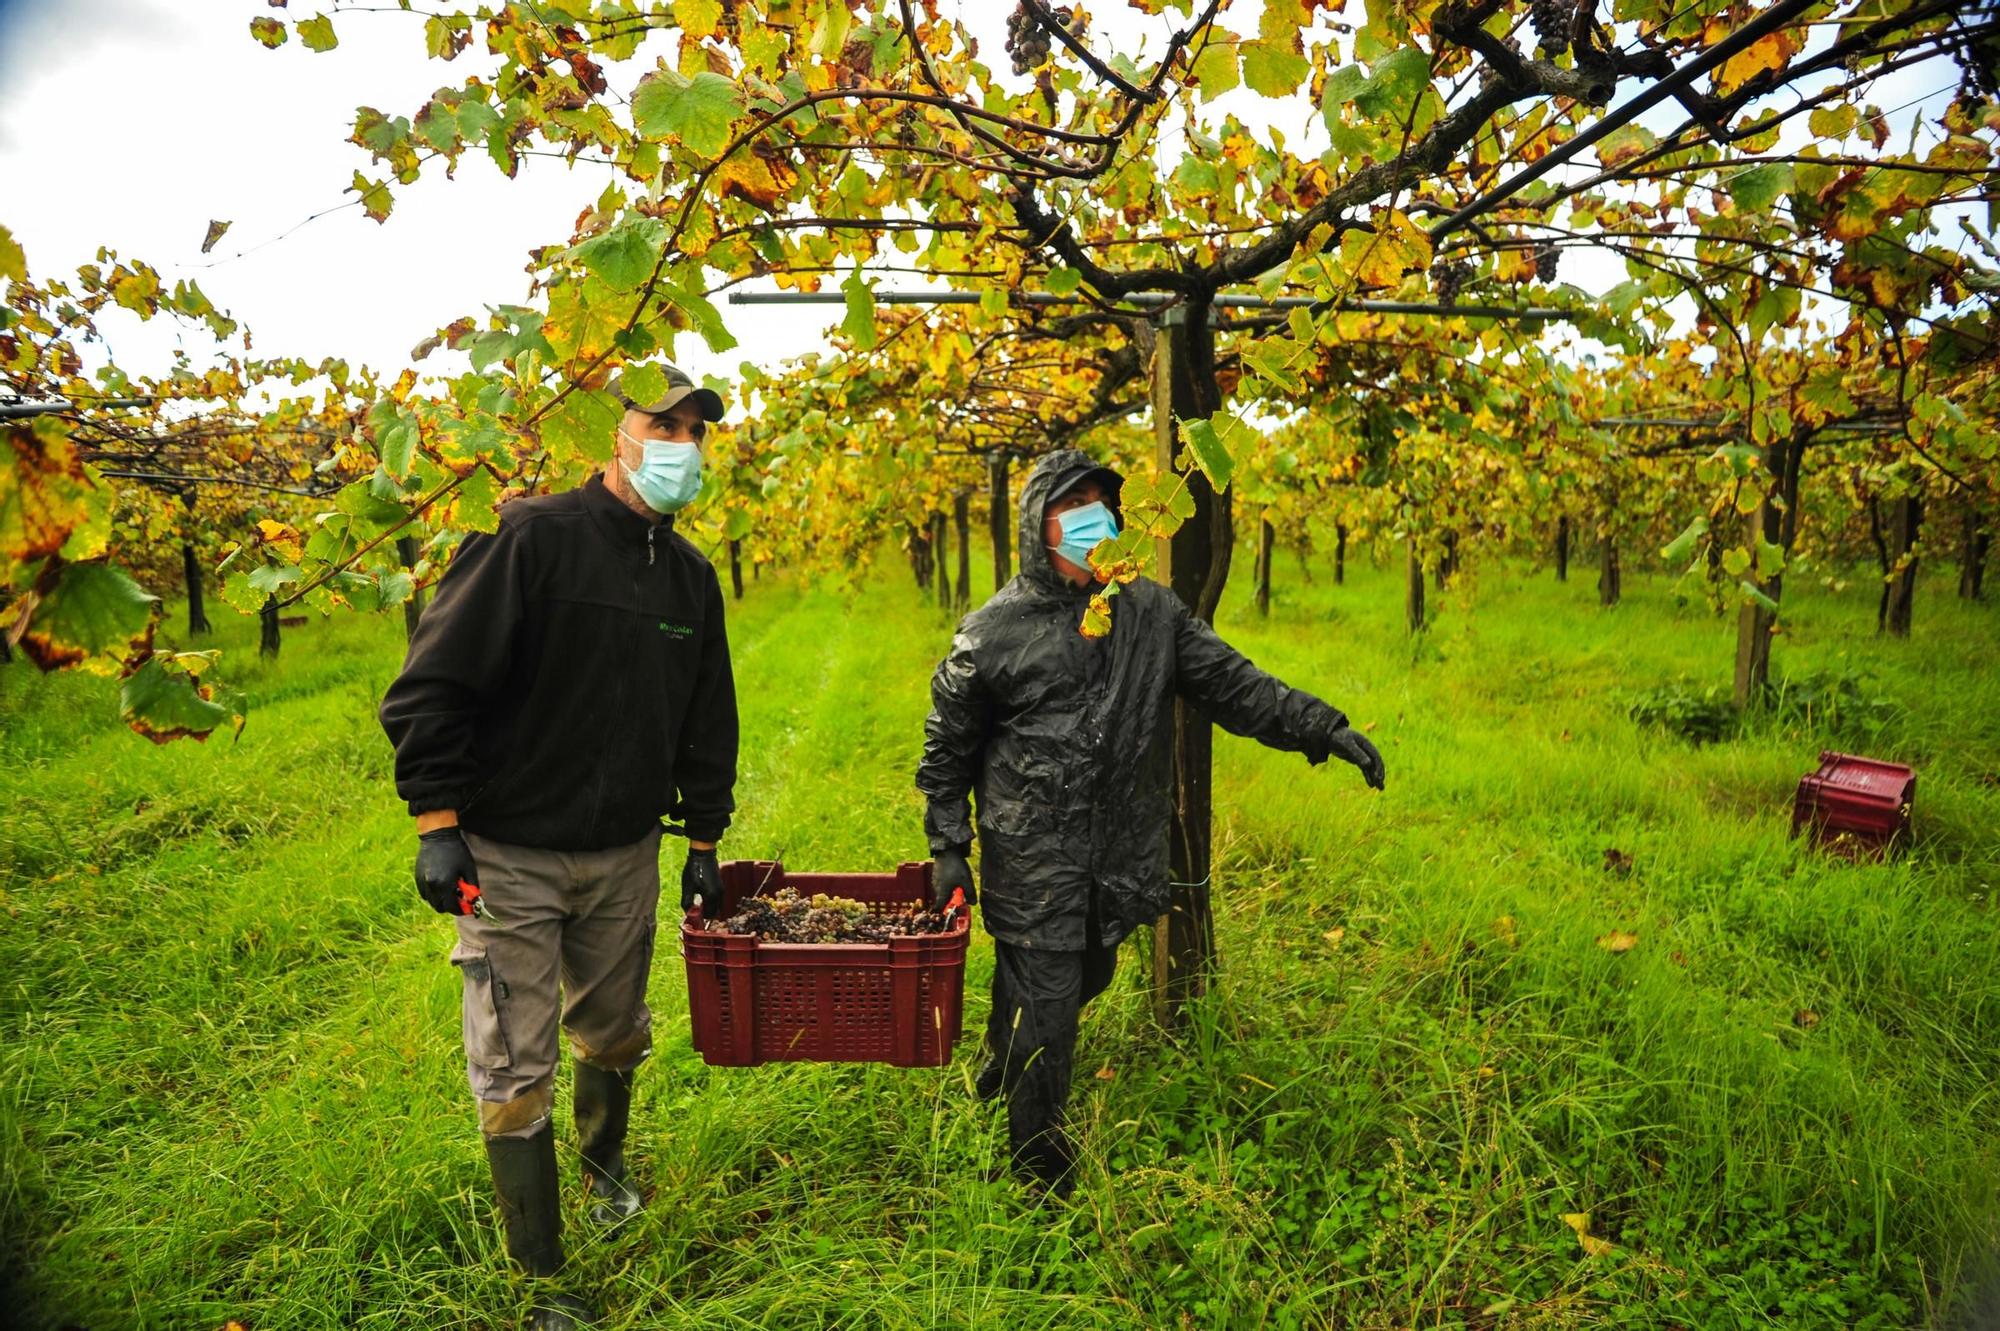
(1028, 40)
(1551, 19)
(787, 917)
(1450, 279)
(1546, 259)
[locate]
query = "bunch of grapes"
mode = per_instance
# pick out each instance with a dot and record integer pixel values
(1546, 259)
(1028, 41)
(787, 917)
(1450, 279)
(1551, 19)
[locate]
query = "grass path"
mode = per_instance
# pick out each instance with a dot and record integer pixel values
(230, 1084)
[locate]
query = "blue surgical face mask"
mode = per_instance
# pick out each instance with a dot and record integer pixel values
(668, 476)
(1082, 529)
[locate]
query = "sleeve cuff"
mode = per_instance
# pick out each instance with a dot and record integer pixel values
(432, 803)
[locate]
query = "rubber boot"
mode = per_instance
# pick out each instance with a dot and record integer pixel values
(524, 1176)
(991, 1080)
(603, 1110)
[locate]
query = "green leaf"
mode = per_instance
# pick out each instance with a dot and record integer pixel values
(370, 512)
(1394, 83)
(1214, 70)
(1205, 445)
(1273, 70)
(737, 525)
(478, 496)
(1341, 87)
(93, 615)
(1755, 188)
(1770, 559)
(1683, 545)
(13, 263)
(269, 31)
(317, 33)
(1736, 561)
(625, 255)
(376, 200)
(1063, 281)
(162, 701)
(584, 425)
(698, 112)
(271, 579)
(829, 34)
(701, 312)
(643, 383)
(1756, 595)
(860, 321)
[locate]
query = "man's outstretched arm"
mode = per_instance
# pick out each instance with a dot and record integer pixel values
(1236, 695)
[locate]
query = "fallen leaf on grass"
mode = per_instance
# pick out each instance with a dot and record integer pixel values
(1565, 737)
(1592, 1247)
(1107, 1073)
(1334, 936)
(1618, 940)
(1805, 1019)
(1678, 958)
(1369, 729)
(1503, 929)
(1617, 861)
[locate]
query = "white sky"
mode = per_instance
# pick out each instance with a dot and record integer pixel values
(131, 123)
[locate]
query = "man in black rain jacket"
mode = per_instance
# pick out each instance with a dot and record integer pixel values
(1067, 743)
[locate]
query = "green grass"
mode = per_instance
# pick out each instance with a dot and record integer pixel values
(230, 1084)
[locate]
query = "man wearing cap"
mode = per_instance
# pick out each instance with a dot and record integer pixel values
(568, 687)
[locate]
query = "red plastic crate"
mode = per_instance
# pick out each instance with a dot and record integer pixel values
(1855, 805)
(899, 1002)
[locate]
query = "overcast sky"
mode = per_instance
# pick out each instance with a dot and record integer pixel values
(132, 123)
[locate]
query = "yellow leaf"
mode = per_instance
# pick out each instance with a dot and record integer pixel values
(1516, 265)
(1765, 53)
(1592, 1247)
(1618, 940)
(1334, 935)
(1503, 929)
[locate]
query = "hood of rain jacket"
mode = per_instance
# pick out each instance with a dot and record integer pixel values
(1066, 742)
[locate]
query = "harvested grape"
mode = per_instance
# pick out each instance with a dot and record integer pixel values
(787, 917)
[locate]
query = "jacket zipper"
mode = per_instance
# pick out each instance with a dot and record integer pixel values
(649, 547)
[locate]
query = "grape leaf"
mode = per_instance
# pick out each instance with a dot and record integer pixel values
(162, 700)
(698, 112)
(92, 615)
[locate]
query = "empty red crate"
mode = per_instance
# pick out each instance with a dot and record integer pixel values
(752, 1002)
(1855, 805)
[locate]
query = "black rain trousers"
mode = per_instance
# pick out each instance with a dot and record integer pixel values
(1038, 999)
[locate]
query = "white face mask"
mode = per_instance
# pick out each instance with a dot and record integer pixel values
(668, 476)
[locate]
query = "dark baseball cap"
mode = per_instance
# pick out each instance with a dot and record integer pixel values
(679, 385)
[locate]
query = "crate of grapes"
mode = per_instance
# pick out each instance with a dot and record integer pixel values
(826, 968)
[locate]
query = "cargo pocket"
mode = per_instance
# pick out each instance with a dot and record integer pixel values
(485, 1032)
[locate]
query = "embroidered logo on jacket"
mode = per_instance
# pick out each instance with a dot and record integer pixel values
(676, 630)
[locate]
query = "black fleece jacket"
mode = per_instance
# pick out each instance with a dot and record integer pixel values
(570, 682)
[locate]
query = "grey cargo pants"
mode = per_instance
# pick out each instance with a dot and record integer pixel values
(569, 939)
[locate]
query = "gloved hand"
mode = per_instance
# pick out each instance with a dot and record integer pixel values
(442, 859)
(701, 882)
(951, 872)
(1351, 746)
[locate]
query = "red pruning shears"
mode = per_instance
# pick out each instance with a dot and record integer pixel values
(952, 907)
(470, 902)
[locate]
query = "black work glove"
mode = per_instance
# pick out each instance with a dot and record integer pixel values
(443, 860)
(1351, 746)
(701, 883)
(948, 873)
